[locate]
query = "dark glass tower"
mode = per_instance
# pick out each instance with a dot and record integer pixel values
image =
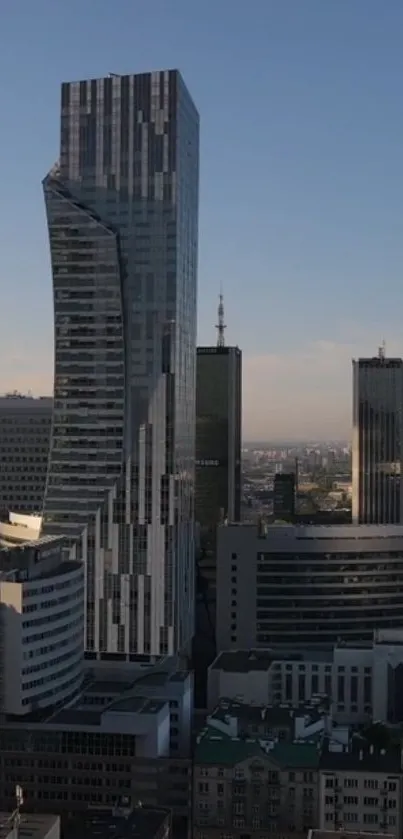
(122, 209)
(377, 440)
(218, 437)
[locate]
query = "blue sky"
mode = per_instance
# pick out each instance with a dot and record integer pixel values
(301, 181)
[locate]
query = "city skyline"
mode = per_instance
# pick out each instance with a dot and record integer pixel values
(300, 215)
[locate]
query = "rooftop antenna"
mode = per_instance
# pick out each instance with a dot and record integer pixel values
(220, 326)
(382, 350)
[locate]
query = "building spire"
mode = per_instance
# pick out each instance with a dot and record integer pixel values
(221, 326)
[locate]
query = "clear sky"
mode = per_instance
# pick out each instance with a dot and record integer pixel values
(301, 208)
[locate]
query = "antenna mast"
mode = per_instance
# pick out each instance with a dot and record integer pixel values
(221, 326)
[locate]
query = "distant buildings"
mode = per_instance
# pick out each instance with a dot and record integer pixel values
(377, 440)
(122, 211)
(301, 585)
(25, 425)
(284, 496)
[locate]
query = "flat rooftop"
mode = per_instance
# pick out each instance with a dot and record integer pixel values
(277, 716)
(141, 823)
(32, 826)
(246, 661)
(132, 704)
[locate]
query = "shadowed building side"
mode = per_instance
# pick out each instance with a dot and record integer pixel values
(377, 440)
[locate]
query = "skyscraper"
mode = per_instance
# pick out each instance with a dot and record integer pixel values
(25, 425)
(377, 440)
(122, 209)
(218, 433)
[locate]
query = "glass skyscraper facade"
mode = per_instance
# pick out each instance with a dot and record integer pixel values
(122, 210)
(377, 440)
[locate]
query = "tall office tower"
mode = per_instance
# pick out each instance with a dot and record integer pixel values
(218, 433)
(25, 425)
(377, 440)
(122, 209)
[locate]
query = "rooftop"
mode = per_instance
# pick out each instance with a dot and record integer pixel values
(132, 704)
(141, 823)
(364, 758)
(215, 748)
(246, 661)
(276, 716)
(31, 826)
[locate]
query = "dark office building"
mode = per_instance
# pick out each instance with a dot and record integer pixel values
(284, 496)
(218, 436)
(377, 440)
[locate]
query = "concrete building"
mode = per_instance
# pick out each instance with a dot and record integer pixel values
(112, 741)
(30, 826)
(41, 623)
(362, 682)
(251, 785)
(25, 425)
(361, 789)
(122, 210)
(307, 585)
(377, 440)
(163, 682)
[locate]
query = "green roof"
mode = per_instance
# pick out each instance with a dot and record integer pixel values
(221, 750)
(296, 755)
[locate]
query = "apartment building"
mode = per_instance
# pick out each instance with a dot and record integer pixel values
(361, 789)
(25, 427)
(362, 680)
(245, 783)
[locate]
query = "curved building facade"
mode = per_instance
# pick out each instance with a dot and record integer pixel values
(122, 210)
(42, 625)
(307, 585)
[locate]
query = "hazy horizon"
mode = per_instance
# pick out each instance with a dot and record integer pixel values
(301, 172)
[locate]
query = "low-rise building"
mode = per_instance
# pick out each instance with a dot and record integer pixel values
(253, 784)
(162, 681)
(361, 789)
(91, 752)
(363, 681)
